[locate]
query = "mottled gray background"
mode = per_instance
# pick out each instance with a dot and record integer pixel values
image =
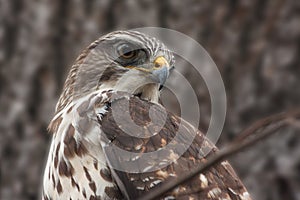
(255, 44)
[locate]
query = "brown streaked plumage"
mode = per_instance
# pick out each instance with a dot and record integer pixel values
(220, 182)
(99, 86)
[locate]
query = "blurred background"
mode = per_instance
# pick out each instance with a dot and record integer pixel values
(255, 44)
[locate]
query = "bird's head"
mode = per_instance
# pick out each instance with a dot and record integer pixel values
(126, 61)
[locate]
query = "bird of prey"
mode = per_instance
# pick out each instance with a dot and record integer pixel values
(114, 82)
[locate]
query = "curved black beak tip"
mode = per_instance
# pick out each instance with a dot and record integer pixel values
(161, 75)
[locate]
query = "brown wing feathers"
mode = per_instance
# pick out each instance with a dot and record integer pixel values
(218, 182)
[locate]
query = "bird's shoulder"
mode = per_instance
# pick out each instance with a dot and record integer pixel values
(160, 147)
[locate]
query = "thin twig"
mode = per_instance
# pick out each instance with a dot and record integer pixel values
(266, 122)
(236, 146)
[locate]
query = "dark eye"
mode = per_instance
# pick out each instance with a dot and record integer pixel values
(127, 51)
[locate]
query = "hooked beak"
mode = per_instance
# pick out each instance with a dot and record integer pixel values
(161, 70)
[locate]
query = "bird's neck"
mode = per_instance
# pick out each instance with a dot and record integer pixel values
(149, 92)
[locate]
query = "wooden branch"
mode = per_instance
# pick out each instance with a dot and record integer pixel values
(243, 141)
(266, 122)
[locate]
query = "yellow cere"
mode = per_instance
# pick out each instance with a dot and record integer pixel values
(160, 62)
